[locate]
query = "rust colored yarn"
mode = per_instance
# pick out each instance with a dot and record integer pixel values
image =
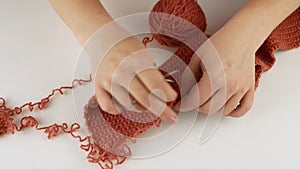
(285, 36)
(110, 133)
(9, 124)
(7, 114)
(189, 10)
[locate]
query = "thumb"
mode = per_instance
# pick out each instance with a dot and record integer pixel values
(188, 102)
(191, 75)
(198, 95)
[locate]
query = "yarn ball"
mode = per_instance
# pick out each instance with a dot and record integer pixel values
(178, 18)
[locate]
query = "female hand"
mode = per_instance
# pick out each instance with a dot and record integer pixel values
(235, 43)
(128, 71)
(230, 87)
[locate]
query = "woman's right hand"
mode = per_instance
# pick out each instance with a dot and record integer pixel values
(84, 18)
(128, 71)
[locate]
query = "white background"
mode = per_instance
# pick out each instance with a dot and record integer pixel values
(38, 53)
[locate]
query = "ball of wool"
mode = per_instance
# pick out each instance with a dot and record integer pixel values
(170, 21)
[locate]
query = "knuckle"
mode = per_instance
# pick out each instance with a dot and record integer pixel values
(244, 90)
(247, 107)
(238, 115)
(159, 86)
(218, 79)
(144, 100)
(133, 86)
(106, 107)
(106, 84)
(170, 93)
(224, 110)
(163, 116)
(232, 86)
(115, 65)
(204, 108)
(173, 96)
(138, 107)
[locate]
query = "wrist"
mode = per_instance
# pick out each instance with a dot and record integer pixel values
(235, 38)
(257, 19)
(88, 25)
(247, 29)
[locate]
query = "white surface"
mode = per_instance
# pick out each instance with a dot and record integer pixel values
(38, 53)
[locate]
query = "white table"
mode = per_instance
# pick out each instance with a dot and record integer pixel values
(38, 53)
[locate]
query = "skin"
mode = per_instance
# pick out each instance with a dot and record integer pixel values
(242, 34)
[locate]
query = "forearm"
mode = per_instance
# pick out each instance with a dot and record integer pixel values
(84, 17)
(258, 18)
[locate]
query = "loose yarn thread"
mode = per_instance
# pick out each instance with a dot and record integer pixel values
(8, 126)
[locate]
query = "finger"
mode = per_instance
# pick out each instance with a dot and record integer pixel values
(154, 80)
(197, 96)
(151, 102)
(205, 89)
(206, 107)
(169, 116)
(232, 103)
(124, 99)
(215, 103)
(245, 104)
(191, 74)
(188, 102)
(105, 101)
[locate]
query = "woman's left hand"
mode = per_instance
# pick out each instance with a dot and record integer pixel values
(228, 81)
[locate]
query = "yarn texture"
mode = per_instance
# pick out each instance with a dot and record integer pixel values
(285, 36)
(109, 134)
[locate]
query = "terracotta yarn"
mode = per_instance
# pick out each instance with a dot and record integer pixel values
(285, 36)
(9, 124)
(110, 134)
(160, 25)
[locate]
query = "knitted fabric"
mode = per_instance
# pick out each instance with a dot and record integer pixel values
(286, 36)
(111, 133)
(104, 127)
